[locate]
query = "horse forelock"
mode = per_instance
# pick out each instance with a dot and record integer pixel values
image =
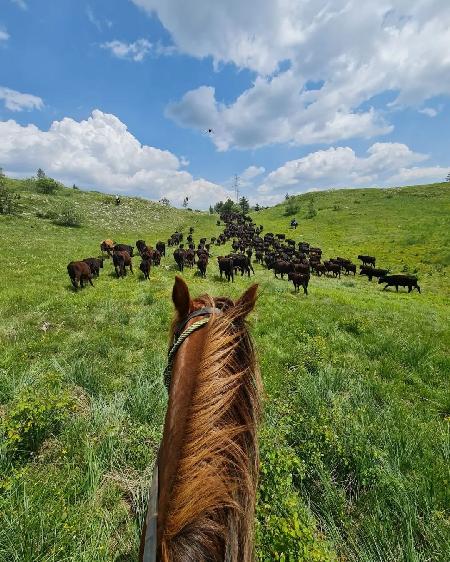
(210, 507)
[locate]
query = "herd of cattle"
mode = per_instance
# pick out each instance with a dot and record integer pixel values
(283, 255)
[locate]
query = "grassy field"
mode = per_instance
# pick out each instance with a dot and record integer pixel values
(355, 442)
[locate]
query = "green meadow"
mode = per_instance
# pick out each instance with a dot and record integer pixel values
(355, 443)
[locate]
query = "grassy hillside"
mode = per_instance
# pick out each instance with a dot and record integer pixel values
(355, 442)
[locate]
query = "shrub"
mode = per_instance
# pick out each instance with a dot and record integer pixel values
(67, 216)
(311, 212)
(47, 185)
(46, 214)
(8, 200)
(37, 413)
(291, 208)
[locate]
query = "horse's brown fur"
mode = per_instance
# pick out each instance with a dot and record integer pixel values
(208, 462)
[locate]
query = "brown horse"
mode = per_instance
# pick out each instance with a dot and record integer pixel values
(207, 468)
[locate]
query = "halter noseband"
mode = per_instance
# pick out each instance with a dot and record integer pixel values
(180, 334)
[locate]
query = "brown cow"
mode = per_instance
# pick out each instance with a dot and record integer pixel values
(121, 260)
(79, 272)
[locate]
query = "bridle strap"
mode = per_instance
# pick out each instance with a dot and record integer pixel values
(180, 335)
(201, 312)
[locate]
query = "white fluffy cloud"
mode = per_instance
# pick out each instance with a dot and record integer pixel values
(132, 51)
(4, 35)
(252, 172)
(17, 101)
(340, 55)
(384, 164)
(101, 153)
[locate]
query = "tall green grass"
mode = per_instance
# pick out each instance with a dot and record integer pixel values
(355, 442)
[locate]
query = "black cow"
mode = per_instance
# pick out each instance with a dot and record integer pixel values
(399, 281)
(242, 262)
(124, 248)
(179, 256)
(334, 268)
(144, 266)
(299, 280)
(282, 267)
(372, 272)
(367, 260)
(161, 247)
(141, 246)
(226, 266)
(94, 265)
(202, 264)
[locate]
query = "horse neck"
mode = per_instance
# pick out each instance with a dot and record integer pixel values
(208, 461)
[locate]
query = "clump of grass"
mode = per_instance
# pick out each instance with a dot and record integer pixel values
(67, 216)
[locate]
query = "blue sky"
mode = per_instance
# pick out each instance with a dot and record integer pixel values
(118, 96)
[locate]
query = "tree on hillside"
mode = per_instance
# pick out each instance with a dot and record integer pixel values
(164, 201)
(227, 207)
(257, 207)
(292, 207)
(244, 205)
(211, 210)
(311, 212)
(185, 202)
(40, 174)
(286, 196)
(230, 206)
(448, 177)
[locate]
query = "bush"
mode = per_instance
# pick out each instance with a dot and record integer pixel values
(311, 212)
(47, 185)
(36, 414)
(291, 208)
(46, 214)
(67, 216)
(8, 200)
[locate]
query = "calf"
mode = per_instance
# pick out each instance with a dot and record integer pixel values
(367, 260)
(299, 280)
(399, 281)
(144, 266)
(79, 272)
(94, 265)
(121, 260)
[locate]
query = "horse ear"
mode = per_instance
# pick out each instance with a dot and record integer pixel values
(246, 302)
(180, 296)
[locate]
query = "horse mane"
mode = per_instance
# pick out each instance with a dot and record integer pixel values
(211, 508)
